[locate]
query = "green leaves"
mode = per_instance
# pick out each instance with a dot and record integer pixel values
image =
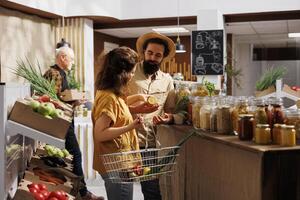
(28, 71)
(73, 84)
(210, 87)
(182, 104)
(269, 78)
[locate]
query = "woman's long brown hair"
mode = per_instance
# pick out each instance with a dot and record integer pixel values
(116, 70)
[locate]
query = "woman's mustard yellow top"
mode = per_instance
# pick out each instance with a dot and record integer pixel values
(114, 107)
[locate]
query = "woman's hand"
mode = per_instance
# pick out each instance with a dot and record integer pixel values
(138, 122)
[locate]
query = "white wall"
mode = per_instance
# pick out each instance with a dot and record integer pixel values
(250, 70)
(24, 36)
(168, 8)
(52, 6)
(134, 9)
(109, 8)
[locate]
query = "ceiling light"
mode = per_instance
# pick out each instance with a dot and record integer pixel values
(292, 35)
(171, 30)
(179, 47)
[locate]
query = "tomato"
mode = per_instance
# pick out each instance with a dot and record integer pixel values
(52, 198)
(58, 194)
(38, 196)
(294, 88)
(42, 186)
(33, 190)
(44, 98)
(138, 170)
(34, 185)
(46, 193)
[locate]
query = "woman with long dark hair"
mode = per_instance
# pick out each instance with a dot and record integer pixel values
(114, 127)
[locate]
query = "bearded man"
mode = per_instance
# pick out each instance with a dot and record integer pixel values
(153, 49)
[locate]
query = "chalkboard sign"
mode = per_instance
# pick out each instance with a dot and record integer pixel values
(207, 52)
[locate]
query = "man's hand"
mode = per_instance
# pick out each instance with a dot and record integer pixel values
(143, 108)
(167, 118)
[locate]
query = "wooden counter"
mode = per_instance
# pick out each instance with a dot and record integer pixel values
(218, 167)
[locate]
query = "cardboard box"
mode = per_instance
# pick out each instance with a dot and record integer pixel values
(73, 95)
(24, 114)
(36, 161)
(24, 194)
(40, 151)
(71, 185)
(265, 92)
(288, 90)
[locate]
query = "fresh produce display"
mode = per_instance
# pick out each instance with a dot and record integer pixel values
(269, 78)
(295, 88)
(49, 176)
(54, 161)
(56, 152)
(47, 109)
(40, 192)
(10, 149)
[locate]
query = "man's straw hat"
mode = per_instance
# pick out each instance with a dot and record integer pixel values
(142, 39)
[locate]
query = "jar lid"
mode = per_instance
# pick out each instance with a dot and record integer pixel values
(289, 126)
(246, 115)
(278, 125)
(262, 125)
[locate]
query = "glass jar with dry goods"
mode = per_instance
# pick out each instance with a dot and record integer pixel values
(197, 104)
(223, 110)
(245, 126)
(183, 91)
(213, 114)
(205, 112)
(288, 135)
(241, 107)
(277, 134)
(293, 118)
(199, 90)
(262, 134)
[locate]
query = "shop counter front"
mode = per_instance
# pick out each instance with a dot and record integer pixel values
(221, 167)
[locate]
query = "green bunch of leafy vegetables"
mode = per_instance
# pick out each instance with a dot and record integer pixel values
(39, 84)
(269, 77)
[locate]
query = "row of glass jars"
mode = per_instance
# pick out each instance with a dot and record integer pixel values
(281, 134)
(221, 114)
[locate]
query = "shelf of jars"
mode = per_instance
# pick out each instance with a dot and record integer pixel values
(264, 121)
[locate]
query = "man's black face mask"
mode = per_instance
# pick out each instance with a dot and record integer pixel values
(150, 67)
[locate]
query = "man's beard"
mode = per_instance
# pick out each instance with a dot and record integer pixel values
(150, 67)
